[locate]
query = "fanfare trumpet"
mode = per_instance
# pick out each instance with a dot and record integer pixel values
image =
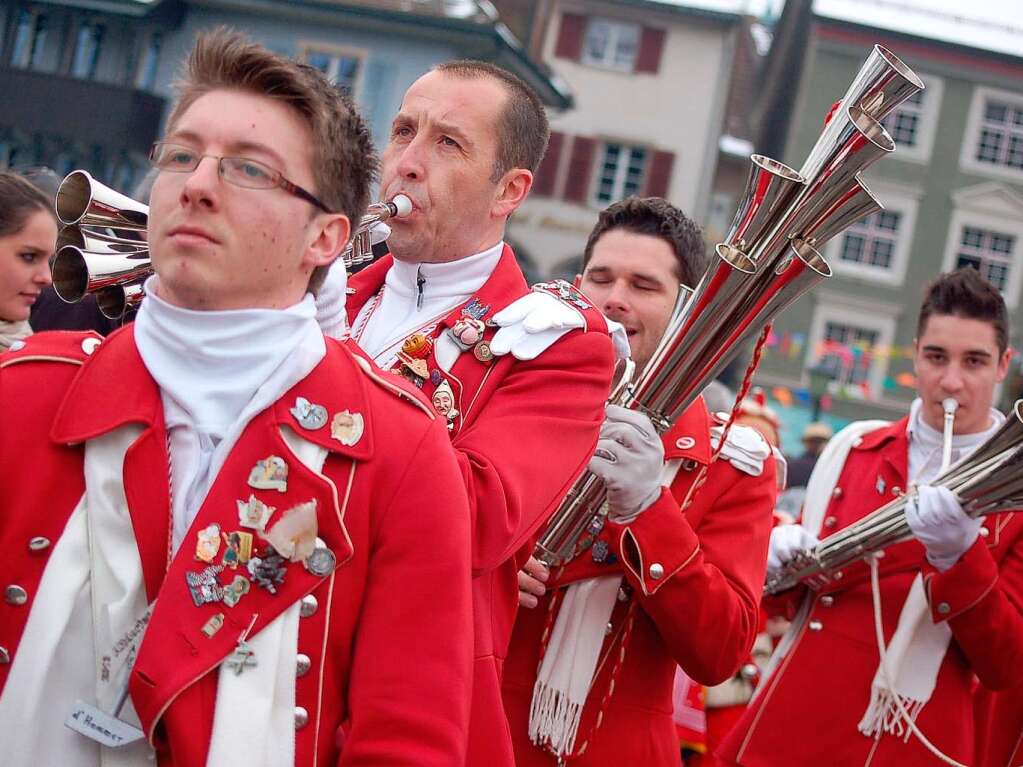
(769, 257)
(103, 250)
(988, 481)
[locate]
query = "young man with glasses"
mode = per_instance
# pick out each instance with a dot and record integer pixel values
(221, 526)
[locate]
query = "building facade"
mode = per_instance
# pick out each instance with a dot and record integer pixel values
(650, 82)
(86, 83)
(952, 192)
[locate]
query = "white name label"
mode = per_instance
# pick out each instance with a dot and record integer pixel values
(101, 727)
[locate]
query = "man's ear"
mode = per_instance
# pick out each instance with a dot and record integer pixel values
(512, 191)
(578, 281)
(1003, 364)
(330, 235)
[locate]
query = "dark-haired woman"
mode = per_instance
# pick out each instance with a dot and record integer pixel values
(28, 233)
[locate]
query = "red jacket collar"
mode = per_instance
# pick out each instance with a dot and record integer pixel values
(504, 285)
(689, 438)
(880, 438)
(114, 388)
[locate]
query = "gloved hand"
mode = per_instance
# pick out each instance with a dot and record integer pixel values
(629, 458)
(786, 542)
(532, 324)
(939, 523)
(330, 302)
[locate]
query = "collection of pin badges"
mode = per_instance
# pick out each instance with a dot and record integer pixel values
(255, 555)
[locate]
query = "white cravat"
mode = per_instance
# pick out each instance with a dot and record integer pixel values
(415, 297)
(925, 444)
(217, 369)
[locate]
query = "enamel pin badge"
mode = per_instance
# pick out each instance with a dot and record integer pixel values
(270, 474)
(347, 427)
(308, 415)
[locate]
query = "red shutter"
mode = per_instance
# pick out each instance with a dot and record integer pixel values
(650, 46)
(570, 36)
(580, 165)
(547, 173)
(658, 175)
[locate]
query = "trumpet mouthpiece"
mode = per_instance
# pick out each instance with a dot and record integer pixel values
(402, 205)
(950, 405)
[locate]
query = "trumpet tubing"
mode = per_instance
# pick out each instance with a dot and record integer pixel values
(769, 258)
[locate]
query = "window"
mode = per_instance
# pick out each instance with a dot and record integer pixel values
(341, 66)
(904, 122)
(872, 241)
(612, 44)
(29, 39)
(620, 173)
(988, 252)
(87, 47)
(993, 142)
(847, 352)
(1001, 135)
(145, 78)
(848, 337)
(912, 124)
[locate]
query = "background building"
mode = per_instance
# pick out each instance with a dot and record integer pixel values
(86, 83)
(651, 83)
(952, 191)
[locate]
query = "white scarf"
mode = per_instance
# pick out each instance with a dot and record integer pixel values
(415, 297)
(570, 662)
(13, 331)
(213, 367)
(918, 646)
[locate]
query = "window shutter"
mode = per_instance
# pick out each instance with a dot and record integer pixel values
(570, 36)
(651, 43)
(580, 165)
(658, 176)
(547, 173)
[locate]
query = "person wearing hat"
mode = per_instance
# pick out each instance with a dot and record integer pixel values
(815, 437)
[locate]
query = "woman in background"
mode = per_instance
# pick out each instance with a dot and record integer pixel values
(28, 234)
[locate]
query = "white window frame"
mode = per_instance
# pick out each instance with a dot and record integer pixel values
(875, 316)
(621, 171)
(989, 222)
(967, 161)
(934, 89)
(306, 47)
(899, 200)
(616, 28)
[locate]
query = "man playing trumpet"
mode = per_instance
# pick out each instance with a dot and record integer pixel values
(947, 600)
(220, 526)
(662, 583)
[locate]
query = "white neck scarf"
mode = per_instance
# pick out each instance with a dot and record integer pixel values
(415, 297)
(11, 332)
(215, 371)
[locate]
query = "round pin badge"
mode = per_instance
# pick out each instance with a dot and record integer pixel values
(482, 352)
(321, 562)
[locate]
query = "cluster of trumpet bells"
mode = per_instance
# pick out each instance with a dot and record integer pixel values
(988, 481)
(768, 259)
(103, 249)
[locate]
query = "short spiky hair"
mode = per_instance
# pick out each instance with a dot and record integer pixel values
(344, 162)
(656, 217)
(522, 129)
(964, 293)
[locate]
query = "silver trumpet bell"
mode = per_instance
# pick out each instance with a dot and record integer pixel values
(769, 258)
(84, 201)
(988, 481)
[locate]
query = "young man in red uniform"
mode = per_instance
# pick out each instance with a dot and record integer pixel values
(224, 526)
(657, 587)
(521, 377)
(948, 599)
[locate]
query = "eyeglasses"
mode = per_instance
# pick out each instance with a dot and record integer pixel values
(239, 171)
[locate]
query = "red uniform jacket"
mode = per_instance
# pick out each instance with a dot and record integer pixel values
(526, 430)
(999, 721)
(388, 681)
(702, 614)
(807, 712)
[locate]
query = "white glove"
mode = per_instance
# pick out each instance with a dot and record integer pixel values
(939, 523)
(629, 458)
(786, 542)
(532, 324)
(330, 302)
